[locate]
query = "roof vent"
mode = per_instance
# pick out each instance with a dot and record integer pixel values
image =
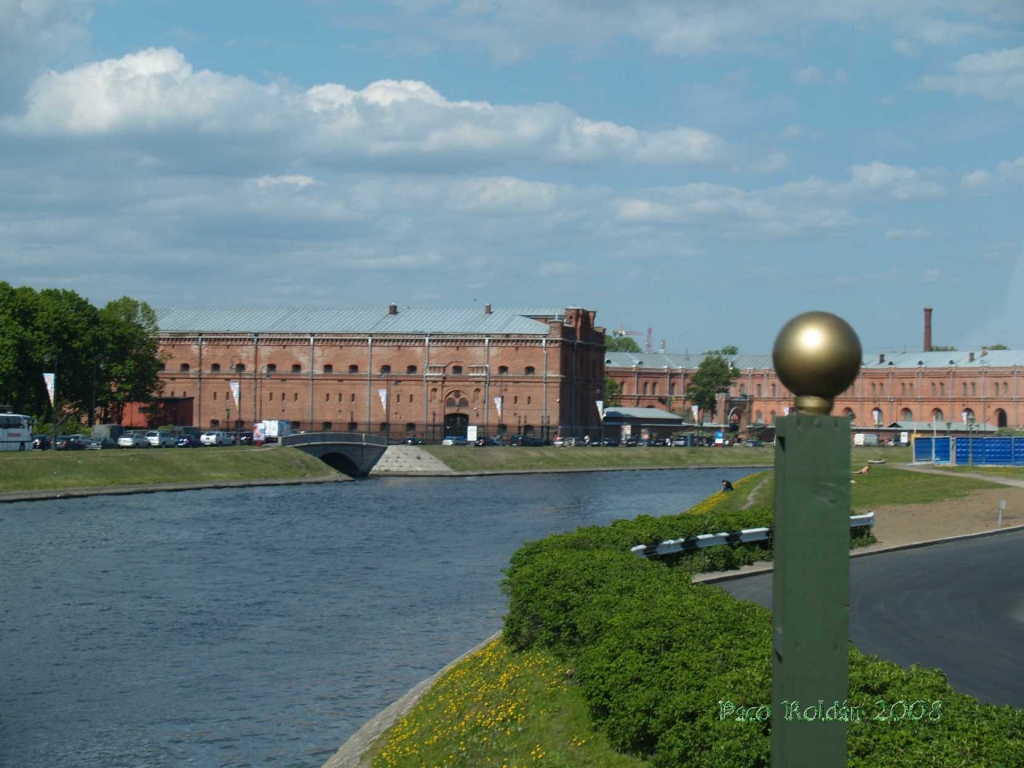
(881, 359)
(984, 351)
(487, 309)
(392, 309)
(970, 357)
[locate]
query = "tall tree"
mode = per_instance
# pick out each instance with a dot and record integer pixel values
(713, 375)
(612, 393)
(21, 381)
(997, 346)
(621, 344)
(130, 356)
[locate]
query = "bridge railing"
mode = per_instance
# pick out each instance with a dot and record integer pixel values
(334, 438)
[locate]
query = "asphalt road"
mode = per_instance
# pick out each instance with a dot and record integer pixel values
(956, 606)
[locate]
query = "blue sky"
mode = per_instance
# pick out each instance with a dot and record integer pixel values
(706, 169)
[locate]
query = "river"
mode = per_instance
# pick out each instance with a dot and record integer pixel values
(263, 626)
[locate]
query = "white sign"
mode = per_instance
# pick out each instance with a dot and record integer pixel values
(600, 408)
(627, 430)
(497, 404)
(696, 410)
(471, 433)
(383, 394)
(51, 384)
(234, 391)
(904, 437)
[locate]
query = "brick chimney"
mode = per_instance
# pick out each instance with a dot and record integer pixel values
(487, 309)
(392, 309)
(970, 357)
(881, 359)
(927, 329)
(984, 351)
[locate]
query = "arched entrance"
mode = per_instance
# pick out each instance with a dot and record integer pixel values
(455, 424)
(1000, 417)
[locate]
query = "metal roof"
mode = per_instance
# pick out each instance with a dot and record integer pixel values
(994, 358)
(651, 414)
(356, 320)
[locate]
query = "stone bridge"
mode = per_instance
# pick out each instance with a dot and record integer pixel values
(352, 453)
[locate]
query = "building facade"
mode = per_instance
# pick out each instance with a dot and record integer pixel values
(983, 386)
(393, 371)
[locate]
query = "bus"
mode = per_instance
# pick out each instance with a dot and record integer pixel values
(15, 432)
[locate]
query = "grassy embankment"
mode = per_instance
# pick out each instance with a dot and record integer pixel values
(472, 459)
(66, 470)
(1011, 472)
(503, 707)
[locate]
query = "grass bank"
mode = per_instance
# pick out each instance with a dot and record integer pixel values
(1013, 472)
(67, 470)
(472, 459)
(610, 660)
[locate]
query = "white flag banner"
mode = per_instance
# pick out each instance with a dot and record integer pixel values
(696, 410)
(497, 404)
(600, 408)
(51, 384)
(383, 394)
(234, 390)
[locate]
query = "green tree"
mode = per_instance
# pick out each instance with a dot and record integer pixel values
(620, 344)
(129, 355)
(728, 351)
(713, 375)
(943, 349)
(612, 393)
(997, 346)
(21, 381)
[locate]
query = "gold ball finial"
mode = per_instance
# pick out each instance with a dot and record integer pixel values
(817, 355)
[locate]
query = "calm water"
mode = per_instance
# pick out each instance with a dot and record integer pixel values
(262, 627)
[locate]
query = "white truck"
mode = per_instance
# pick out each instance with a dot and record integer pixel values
(273, 430)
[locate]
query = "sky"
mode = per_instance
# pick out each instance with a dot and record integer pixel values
(704, 168)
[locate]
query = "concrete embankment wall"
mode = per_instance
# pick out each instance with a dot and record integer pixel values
(409, 460)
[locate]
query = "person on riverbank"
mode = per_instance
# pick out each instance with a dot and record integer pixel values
(726, 486)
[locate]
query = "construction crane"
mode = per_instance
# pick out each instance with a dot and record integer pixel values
(650, 336)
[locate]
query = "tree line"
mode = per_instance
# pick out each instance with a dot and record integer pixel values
(104, 357)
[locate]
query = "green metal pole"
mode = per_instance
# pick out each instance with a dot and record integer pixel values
(817, 355)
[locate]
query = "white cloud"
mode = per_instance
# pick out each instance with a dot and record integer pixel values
(773, 163)
(1011, 170)
(792, 132)
(892, 181)
(272, 181)
(994, 75)
(905, 48)
(932, 275)
(915, 233)
(808, 76)
(156, 92)
(976, 180)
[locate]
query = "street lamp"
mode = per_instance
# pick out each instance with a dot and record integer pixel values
(238, 368)
(387, 403)
(970, 440)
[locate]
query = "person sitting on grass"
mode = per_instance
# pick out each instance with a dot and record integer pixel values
(726, 486)
(863, 471)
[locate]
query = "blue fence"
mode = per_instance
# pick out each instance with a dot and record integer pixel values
(995, 451)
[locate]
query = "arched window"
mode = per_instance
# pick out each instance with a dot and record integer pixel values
(295, 397)
(271, 368)
(758, 390)
(239, 367)
(903, 388)
(942, 389)
(296, 368)
(907, 415)
(328, 397)
(271, 395)
(874, 389)
(502, 370)
(456, 400)
(215, 395)
(876, 415)
(937, 415)
(997, 389)
(476, 395)
(645, 387)
(671, 390)
(215, 368)
(385, 369)
(771, 415)
(848, 413)
(353, 369)
(757, 417)
(933, 389)
(965, 389)
(773, 395)
(456, 370)
(974, 389)
(1006, 389)
(911, 389)
(328, 369)
(184, 368)
(433, 394)
(530, 370)
(410, 369)
(654, 388)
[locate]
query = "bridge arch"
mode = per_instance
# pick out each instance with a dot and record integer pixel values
(339, 461)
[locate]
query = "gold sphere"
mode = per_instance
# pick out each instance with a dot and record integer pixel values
(817, 355)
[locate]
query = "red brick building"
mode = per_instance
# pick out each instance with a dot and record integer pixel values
(926, 386)
(394, 370)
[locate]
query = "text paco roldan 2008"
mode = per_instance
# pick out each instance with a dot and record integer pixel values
(899, 711)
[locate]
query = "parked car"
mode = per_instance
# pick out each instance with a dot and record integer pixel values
(610, 442)
(525, 440)
(41, 442)
(189, 441)
(215, 437)
(133, 440)
(455, 441)
(100, 443)
(412, 441)
(246, 437)
(753, 443)
(159, 439)
(631, 442)
(485, 441)
(71, 443)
